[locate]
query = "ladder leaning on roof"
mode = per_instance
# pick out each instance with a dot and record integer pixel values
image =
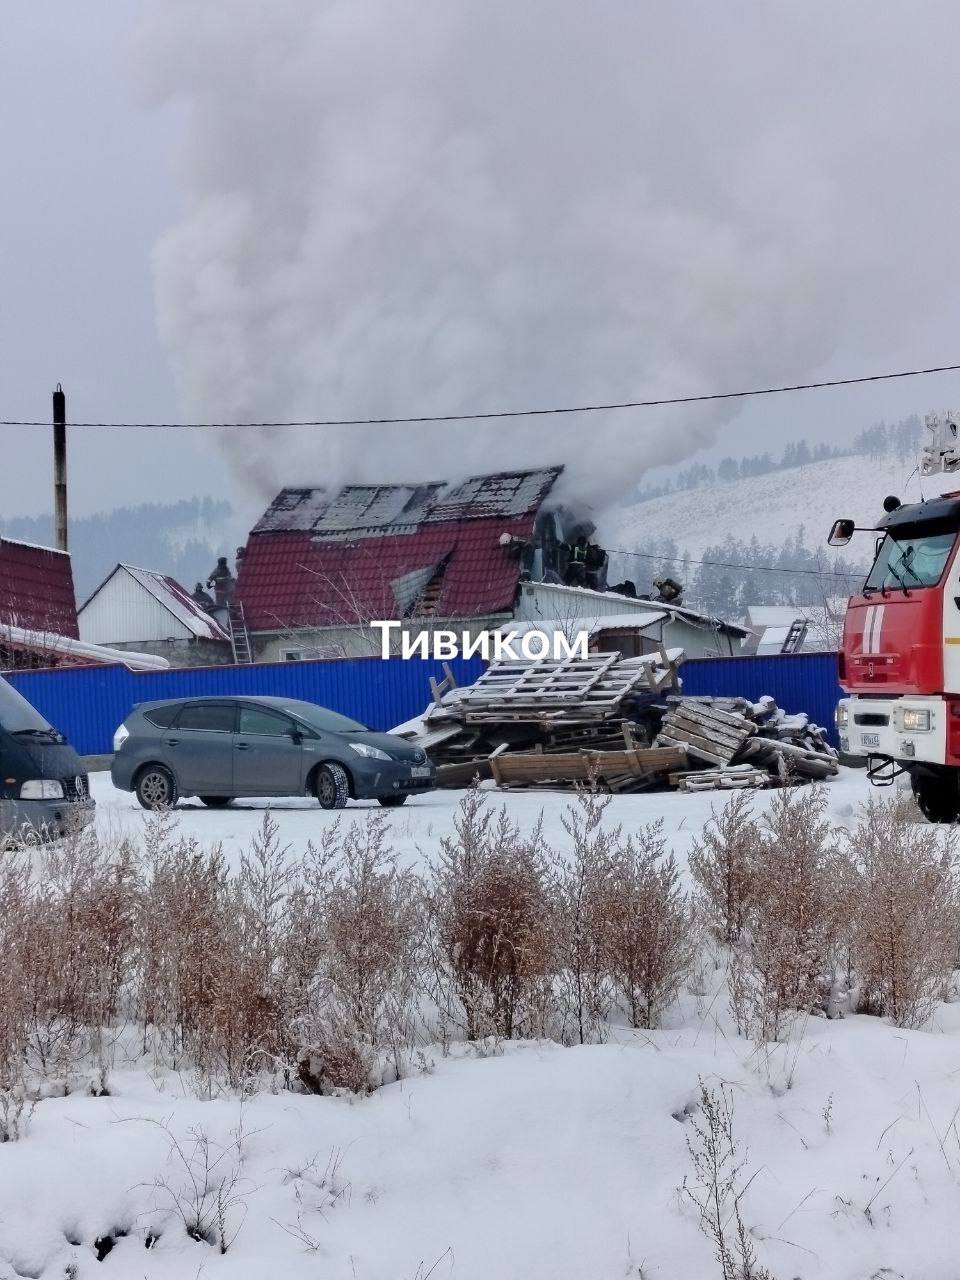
(239, 635)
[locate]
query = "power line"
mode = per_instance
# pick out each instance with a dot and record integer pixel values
(726, 564)
(509, 413)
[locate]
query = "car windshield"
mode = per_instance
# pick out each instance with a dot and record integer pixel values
(910, 559)
(324, 720)
(18, 716)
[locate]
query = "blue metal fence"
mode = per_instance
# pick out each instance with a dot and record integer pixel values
(799, 682)
(87, 703)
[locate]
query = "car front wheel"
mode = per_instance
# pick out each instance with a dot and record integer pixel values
(216, 802)
(392, 802)
(332, 786)
(157, 788)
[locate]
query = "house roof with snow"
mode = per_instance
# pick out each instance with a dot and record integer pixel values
(319, 558)
(36, 588)
(134, 605)
(579, 598)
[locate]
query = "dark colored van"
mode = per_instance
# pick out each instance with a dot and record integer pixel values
(43, 785)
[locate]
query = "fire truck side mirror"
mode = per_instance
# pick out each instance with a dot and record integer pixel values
(841, 533)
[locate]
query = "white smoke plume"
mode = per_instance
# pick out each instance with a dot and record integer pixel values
(427, 206)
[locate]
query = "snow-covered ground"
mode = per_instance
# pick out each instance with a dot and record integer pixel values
(416, 827)
(533, 1161)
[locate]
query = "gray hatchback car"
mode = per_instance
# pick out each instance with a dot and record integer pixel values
(223, 748)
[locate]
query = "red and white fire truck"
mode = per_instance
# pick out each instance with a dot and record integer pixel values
(900, 662)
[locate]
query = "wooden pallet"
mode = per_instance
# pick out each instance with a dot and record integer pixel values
(736, 777)
(708, 733)
(569, 690)
(526, 768)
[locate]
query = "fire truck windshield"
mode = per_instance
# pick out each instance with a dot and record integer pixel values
(910, 560)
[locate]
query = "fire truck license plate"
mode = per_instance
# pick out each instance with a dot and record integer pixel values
(870, 739)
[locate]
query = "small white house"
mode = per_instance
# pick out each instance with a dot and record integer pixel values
(150, 612)
(625, 624)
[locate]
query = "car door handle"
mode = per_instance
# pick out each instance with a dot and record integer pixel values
(242, 746)
(172, 742)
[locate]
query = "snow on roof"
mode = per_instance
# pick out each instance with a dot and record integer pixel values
(66, 647)
(398, 508)
(608, 622)
(675, 610)
(36, 546)
(177, 601)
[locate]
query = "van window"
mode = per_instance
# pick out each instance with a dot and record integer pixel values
(254, 720)
(16, 713)
(219, 717)
(163, 717)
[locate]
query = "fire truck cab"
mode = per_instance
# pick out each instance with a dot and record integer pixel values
(900, 661)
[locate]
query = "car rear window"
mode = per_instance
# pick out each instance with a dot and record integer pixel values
(220, 717)
(163, 717)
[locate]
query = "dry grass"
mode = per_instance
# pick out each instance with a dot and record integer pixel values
(330, 970)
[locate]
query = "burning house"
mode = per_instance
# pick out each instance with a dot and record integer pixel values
(319, 566)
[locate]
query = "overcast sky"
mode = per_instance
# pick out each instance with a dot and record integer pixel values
(385, 206)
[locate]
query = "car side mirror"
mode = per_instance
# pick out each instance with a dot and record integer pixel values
(296, 735)
(841, 533)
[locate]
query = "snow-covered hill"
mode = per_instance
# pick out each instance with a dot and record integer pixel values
(771, 506)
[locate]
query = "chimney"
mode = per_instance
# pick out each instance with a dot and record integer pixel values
(60, 467)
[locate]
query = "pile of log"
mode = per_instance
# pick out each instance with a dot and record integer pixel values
(619, 724)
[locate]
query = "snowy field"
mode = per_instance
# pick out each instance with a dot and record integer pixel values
(418, 825)
(533, 1161)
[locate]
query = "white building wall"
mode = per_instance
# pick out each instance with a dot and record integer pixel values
(545, 600)
(123, 612)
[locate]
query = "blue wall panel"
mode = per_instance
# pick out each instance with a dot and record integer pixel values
(799, 682)
(88, 703)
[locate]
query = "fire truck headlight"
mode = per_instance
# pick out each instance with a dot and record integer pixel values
(916, 721)
(842, 715)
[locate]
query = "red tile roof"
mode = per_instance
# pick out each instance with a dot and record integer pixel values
(367, 551)
(36, 588)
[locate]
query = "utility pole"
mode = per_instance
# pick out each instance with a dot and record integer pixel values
(60, 467)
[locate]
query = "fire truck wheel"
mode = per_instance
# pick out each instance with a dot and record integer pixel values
(938, 795)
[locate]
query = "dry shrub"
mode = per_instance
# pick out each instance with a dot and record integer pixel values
(371, 955)
(720, 1182)
(905, 918)
(491, 908)
(580, 877)
(649, 937)
(783, 959)
(185, 976)
(338, 1060)
(722, 865)
(77, 934)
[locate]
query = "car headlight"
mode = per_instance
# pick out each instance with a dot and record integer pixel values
(842, 715)
(913, 721)
(41, 789)
(120, 737)
(371, 753)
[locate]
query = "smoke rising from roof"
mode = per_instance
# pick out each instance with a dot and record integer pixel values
(429, 206)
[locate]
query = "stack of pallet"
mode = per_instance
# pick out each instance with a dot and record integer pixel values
(738, 743)
(612, 722)
(554, 723)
